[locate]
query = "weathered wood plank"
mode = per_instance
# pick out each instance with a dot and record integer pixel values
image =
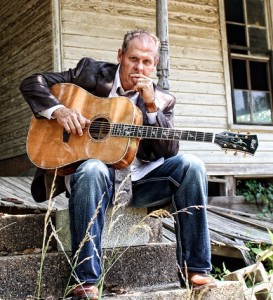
(240, 231)
(197, 110)
(194, 122)
(228, 159)
(147, 18)
(194, 53)
(19, 188)
(195, 42)
(26, 40)
(173, 4)
(107, 6)
(88, 42)
(197, 87)
(195, 31)
(194, 19)
(246, 170)
(194, 75)
(183, 63)
(240, 218)
(200, 99)
(78, 53)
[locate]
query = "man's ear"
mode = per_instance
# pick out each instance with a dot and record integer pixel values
(119, 55)
(156, 62)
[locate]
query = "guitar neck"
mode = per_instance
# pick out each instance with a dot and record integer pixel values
(159, 133)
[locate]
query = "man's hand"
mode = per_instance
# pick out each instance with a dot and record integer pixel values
(71, 120)
(144, 85)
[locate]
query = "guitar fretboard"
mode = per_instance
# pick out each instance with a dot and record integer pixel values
(150, 132)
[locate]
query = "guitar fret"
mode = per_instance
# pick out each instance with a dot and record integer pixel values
(159, 133)
(177, 134)
(154, 131)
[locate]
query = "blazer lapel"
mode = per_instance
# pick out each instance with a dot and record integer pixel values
(105, 81)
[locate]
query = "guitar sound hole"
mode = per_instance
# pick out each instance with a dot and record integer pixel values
(99, 128)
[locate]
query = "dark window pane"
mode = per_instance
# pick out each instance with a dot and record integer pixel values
(236, 35)
(234, 11)
(258, 74)
(255, 12)
(239, 74)
(257, 38)
(242, 107)
(261, 107)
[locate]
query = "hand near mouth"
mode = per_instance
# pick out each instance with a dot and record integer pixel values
(144, 85)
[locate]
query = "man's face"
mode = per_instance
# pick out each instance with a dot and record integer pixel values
(140, 58)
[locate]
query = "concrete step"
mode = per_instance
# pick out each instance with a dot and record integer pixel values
(22, 232)
(225, 290)
(145, 277)
(136, 267)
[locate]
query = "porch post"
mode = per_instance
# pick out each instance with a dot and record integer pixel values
(162, 33)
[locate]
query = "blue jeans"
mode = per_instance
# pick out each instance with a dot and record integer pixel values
(181, 179)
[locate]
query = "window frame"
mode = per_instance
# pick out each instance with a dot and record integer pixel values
(227, 68)
(247, 59)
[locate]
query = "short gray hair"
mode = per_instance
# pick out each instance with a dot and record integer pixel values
(138, 33)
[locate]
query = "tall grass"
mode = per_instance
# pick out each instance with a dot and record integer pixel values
(115, 254)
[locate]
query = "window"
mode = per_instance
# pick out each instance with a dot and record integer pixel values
(250, 61)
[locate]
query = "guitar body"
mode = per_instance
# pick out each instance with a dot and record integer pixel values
(50, 147)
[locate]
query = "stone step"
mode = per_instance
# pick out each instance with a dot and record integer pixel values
(21, 232)
(225, 290)
(136, 267)
(140, 279)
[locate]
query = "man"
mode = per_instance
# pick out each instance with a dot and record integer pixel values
(157, 162)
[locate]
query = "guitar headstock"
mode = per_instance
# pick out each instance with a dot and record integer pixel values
(245, 143)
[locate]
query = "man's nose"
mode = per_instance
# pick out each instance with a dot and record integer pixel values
(139, 66)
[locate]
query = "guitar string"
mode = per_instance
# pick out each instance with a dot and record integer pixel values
(140, 130)
(118, 129)
(110, 126)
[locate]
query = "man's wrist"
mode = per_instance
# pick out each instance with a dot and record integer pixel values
(151, 106)
(48, 113)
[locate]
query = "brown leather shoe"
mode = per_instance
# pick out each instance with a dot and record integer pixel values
(201, 280)
(86, 291)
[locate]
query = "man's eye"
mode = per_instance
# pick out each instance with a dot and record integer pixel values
(134, 59)
(147, 62)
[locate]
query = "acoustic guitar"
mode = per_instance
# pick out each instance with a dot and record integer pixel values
(113, 135)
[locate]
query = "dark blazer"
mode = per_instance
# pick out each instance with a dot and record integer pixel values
(96, 77)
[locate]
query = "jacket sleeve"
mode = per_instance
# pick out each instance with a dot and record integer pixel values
(150, 149)
(36, 88)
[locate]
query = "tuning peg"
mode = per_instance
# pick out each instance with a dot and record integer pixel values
(235, 153)
(226, 151)
(238, 132)
(248, 132)
(244, 154)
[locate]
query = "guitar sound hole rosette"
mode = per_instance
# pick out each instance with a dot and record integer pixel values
(99, 129)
